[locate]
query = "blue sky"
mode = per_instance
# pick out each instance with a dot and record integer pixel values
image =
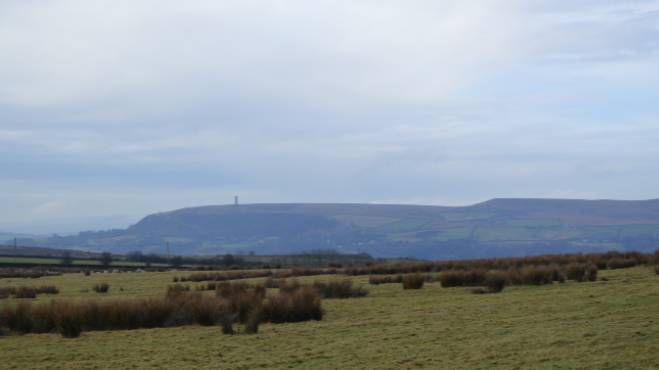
(110, 110)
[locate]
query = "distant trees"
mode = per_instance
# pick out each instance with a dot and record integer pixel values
(106, 259)
(66, 260)
(135, 256)
(230, 260)
(176, 261)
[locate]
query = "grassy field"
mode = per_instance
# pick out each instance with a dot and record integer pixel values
(76, 262)
(610, 324)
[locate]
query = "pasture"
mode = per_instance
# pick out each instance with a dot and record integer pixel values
(611, 323)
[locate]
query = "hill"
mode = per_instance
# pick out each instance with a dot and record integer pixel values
(6, 237)
(499, 227)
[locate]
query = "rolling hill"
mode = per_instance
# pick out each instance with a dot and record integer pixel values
(499, 227)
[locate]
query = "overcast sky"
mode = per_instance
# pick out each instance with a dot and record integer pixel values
(110, 110)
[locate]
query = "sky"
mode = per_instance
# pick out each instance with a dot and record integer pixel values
(112, 110)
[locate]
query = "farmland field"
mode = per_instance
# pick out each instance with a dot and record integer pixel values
(76, 262)
(611, 324)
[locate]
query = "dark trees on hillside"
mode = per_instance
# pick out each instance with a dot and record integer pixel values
(136, 256)
(229, 260)
(66, 260)
(106, 259)
(176, 261)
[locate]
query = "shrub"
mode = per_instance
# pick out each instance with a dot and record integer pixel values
(289, 287)
(576, 271)
(619, 263)
(207, 312)
(176, 289)
(495, 282)
(182, 308)
(225, 275)
(591, 273)
(25, 292)
(28, 292)
(301, 305)
(339, 289)
(561, 277)
(229, 289)
(6, 292)
(47, 289)
(227, 325)
(245, 303)
(601, 260)
(451, 279)
(235, 290)
(69, 324)
(537, 275)
(413, 281)
(17, 318)
(475, 277)
(101, 288)
(253, 321)
(71, 318)
(385, 279)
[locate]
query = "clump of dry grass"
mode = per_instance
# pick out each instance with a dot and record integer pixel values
(302, 304)
(233, 303)
(339, 289)
(27, 292)
(101, 288)
(495, 281)
(385, 279)
(413, 281)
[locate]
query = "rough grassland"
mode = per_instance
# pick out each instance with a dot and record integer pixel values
(76, 262)
(602, 325)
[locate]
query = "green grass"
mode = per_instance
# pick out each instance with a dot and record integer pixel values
(502, 233)
(640, 231)
(600, 325)
(534, 222)
(31, 260)
(407, 224)
(365, 221)
(453, 233)
(76, 262)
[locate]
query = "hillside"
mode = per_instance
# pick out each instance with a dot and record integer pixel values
(498, 227)
(6, 237)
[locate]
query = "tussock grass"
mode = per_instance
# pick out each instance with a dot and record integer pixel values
(495, 281)
(27, 292)
(233, 302)
(385, 279)
(413, 281)
(303, 304)
(101, 288)
(339, 289)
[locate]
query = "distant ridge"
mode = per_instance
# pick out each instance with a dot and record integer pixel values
(497, 227)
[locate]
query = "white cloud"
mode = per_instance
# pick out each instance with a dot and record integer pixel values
(449, 101)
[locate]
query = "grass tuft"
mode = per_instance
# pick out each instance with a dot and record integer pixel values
(413, 281)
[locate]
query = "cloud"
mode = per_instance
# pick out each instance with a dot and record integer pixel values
(105, 103)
